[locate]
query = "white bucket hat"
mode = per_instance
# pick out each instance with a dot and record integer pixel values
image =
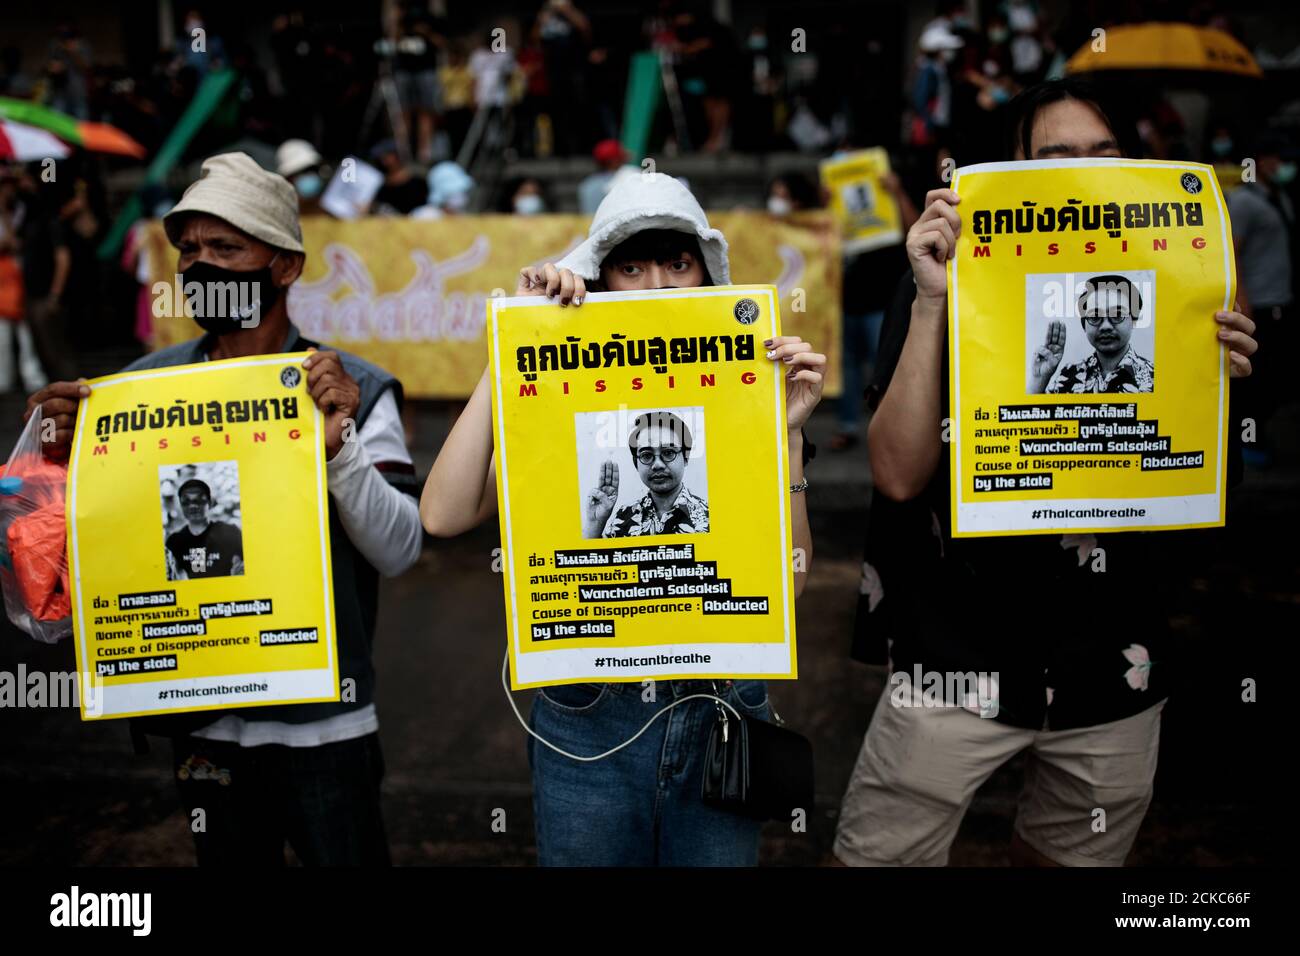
(638, 201)
(937, 37)
(295, 156)
(231, 186)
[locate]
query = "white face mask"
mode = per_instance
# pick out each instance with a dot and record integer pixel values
(457, 202)
(779, 206)
(529, 205)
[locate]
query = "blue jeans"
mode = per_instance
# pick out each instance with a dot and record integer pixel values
(861, 340)
(640, 806)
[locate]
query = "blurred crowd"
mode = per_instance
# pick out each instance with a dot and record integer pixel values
(965, 73)
(433, 109)
(444, 87)
(49, 276)
(549, 85)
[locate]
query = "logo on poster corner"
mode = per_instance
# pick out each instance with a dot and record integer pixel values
(746, 311)
(290, 376)
(1192, 183)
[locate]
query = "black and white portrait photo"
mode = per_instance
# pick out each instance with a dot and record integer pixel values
(202, 528)
(642, 472)
(1090, 334)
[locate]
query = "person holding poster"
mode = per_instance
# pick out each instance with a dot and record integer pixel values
(203, 547)
(1108, 308)
(1002, 645)
(649, 233)
(660, 444)
(307, 774)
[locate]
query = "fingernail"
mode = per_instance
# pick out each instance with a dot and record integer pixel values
(771, 354)
(788, 358)
(767, 342)
(1224, 333)
(577, 300)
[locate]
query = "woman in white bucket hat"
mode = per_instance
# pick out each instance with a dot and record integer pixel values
(638, 202)
(640, 806)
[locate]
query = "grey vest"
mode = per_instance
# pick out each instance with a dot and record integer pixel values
(356, 582)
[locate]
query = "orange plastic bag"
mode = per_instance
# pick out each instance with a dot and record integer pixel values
(37, 544)
(33, 543)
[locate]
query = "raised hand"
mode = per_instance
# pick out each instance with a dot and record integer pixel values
(599, 503)
(932, 241)
(1048, 358)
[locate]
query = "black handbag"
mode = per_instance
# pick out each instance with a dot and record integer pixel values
(757, 769)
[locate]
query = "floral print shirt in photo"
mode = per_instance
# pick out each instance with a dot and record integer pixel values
(1132, 374)
(689, 515)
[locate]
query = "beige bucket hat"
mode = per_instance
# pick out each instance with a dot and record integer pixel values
(231, 186)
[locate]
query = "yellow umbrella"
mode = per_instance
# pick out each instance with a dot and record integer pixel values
(1164, 46)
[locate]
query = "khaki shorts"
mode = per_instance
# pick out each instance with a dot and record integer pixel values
(920, 766)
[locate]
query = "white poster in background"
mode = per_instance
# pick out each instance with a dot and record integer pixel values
(351, 189)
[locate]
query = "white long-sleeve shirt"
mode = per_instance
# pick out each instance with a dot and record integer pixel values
(383, 522)
(384, 525)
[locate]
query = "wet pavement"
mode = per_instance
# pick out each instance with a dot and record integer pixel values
(77, 794)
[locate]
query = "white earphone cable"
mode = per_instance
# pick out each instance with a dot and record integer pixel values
(505, 685)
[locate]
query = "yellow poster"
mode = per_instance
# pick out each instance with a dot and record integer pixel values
(198, 537)
(1088, 389)
(643, 486)
(861, 203)
(410, 294)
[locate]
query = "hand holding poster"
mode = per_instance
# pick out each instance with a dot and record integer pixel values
(1088, 389)
(861, 201)
(199, 541)
(642, 473)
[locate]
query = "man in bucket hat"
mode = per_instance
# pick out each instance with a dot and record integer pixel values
(297, 161)
(307, 774)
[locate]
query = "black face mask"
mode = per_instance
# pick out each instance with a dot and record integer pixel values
(229, 300)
